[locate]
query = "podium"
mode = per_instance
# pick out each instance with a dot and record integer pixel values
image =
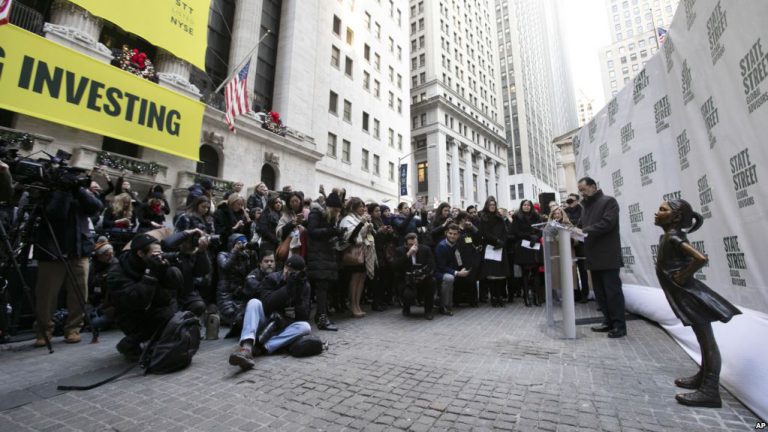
(553, 230)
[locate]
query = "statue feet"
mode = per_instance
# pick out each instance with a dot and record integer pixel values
(700, 398)
(691, 382)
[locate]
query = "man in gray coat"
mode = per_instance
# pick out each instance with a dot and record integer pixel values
(600, 221)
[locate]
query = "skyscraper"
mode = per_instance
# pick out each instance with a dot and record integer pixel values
(537, 93)
(457, 133)
(341, 77)
(634, 25)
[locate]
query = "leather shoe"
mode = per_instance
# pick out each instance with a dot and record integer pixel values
(323, 323)
(617, 333)
(242, 357)
(602, 328)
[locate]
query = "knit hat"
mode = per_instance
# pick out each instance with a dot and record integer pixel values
(206, 184)
(141, 241)
(102, 246)
(295, 262)
(333, 200)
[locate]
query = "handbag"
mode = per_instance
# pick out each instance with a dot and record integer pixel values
(353, 256)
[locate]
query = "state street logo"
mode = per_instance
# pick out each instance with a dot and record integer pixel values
(705, 196)
(662, 111)
(716, 25)
(654, 252)
(613, 108)
(640, 82)
(635, 217)
(736, 260)
(627, 258)
(618, 182)
(603, 155)
(754, 70)
(627, 135)
(576, 145)
(683, 148)
(701, 247)
(744, 172)
(672, 195)
(592, 127)
(687, 80)
(647, 167)
(711, 119)
(668, 48)
(690, 13)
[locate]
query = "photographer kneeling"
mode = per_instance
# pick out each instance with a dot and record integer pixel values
(143, 290)
(193, 262)
(264, 330)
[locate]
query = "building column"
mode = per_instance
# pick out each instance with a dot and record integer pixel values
(455, 186)
(246, 32)
(76, 28)
(482, 196)
(174, 74)
(436, 167)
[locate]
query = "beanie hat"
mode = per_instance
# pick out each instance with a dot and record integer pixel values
(333, 200)
(206, 184)
(102, 246)
(141, 241)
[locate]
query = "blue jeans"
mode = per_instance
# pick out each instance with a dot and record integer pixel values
(255, 320)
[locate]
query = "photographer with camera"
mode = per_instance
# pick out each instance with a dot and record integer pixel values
(416, 265)
(188, 251)
(234, 267)
(143, 288)
(68, 209)
(265, 330)
(98, 295)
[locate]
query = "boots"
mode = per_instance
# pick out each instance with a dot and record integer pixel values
(708, 394)
(323, 323)
(691, 382)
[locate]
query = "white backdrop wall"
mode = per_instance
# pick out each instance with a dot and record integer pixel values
(693, 124)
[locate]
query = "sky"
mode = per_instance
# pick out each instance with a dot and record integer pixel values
(585, 31)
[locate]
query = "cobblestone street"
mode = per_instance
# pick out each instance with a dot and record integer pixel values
(482, 369)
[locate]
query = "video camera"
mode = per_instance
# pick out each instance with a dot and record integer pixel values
(52, 173)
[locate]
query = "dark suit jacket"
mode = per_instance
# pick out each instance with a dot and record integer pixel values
(600, 221)
(403, 262)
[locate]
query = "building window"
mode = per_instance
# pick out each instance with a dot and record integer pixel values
(421, 176)
(376, 88)
(337, 25)
(365, 121)
(399, 106)
(462, 190)
(367, 20)
(335, 55)
(376, 129)
(347, 110)
(331, 150)
(423, 119)
(377, 61)
(399, 142)
(391, 171)
(520, 191)
(512, 194)
(378, 31)
(345, 149)
(391, 138)
(366, 80)
(348, 65)
(365, 160)
(391, 100)
(376, 165)
(367, 52)
(350, 36)
(333, 103)
(448, 170)
(399, 81)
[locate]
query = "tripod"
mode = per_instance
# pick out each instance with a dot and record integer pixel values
(25, 235)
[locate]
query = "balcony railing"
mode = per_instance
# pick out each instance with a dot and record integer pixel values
(120, 162)
(27, 18)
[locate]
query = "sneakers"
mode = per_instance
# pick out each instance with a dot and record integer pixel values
(323, 323)
(242, 357)
(72, 337)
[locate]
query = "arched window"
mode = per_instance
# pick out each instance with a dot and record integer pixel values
(268, 176)
(209, 161)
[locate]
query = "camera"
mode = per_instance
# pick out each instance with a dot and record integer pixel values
(170, 256)
(214, 240)
(418, 274)
(52, 173)
(570, 201)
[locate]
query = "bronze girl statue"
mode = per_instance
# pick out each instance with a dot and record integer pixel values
(694, 303)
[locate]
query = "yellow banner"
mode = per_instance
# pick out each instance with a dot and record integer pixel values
(178, 26)
(46, 80)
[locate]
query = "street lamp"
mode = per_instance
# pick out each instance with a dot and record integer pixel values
(400, 159)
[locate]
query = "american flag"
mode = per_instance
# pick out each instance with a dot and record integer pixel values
(236, 97)
(5, 11)
(661, 34)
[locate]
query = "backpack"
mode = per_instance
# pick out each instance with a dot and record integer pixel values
(306, 346)
(173, 348)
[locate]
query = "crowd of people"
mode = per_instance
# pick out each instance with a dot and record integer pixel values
(283, 257)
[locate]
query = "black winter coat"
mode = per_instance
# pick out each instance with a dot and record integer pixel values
(267, 229)
(403, 262)
(322, 258)
(223, 221)
(233, 269)
(68, 213)
(600, 221)
(277, 293)
(493, 230)
(521, 229)
(191, 220)
(257, 201)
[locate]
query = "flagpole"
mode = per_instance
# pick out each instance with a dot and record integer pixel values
(239, 66)
(655, 30)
